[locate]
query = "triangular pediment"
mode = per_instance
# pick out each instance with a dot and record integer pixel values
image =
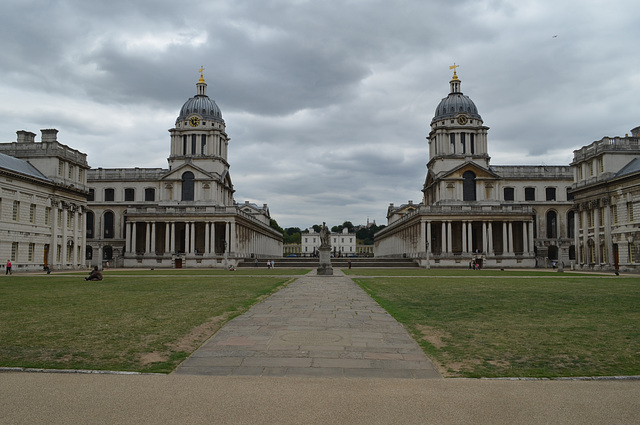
(457, 172)
(199, 173)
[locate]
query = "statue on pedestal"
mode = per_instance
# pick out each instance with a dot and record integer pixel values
(324, 268)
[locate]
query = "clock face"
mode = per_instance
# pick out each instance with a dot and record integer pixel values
(194, 121)
(462, 120)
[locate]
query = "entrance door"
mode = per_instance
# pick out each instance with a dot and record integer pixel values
(178, 263)
(46, 256)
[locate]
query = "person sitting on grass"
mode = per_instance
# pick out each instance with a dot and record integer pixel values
(94, 275)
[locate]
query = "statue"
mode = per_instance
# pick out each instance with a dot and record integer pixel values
(325, 240)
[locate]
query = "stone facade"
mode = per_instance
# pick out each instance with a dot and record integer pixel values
(607, 199)
(42, 203)
(183, 216)
(473, 212)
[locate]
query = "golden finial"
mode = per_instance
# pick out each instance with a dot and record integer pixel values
(454, 66)
(201, 76)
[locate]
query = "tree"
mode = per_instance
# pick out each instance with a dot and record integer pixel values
(317, 228)
(274, 225)
(348, 225)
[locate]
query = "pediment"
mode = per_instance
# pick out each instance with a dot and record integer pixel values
(480, 172)
(199, 173)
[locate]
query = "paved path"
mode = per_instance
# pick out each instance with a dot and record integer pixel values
(317, 326)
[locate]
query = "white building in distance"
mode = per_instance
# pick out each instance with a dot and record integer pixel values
(342, 244)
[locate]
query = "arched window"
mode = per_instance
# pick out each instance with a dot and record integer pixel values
(469, 186)
(571, 224)
(187, 186)
(552, 225)
(90, 220)
(108, 225)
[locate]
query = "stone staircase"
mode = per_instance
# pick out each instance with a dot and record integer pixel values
(307, 262)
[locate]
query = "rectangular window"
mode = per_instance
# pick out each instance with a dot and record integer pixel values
(630, 211)
(463, 142)
(71, 170)
(184, 144)
(529, 193)
(614, 214)
(59, 217)
(600, 165)
(551, 193)
(591, 169)
(16, 211)
(452, 139)
(80, 175)
(150, 194)
(509, 194)
(32, 213)
(580, 172)
(60, 168)
(14, 251)
(203, 144)
(569, 194)
(47, 216)
(109, 195)
(92, 195)
(591, 218)
(32, 248)
(129, 195)
(472, 143)
(69, 219)
(193, 144)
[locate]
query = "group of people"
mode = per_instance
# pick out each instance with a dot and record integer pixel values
(95, 274)
(271, 264)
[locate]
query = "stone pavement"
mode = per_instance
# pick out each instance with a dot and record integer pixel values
(317, 326)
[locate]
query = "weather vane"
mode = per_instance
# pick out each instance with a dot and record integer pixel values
(454, 66)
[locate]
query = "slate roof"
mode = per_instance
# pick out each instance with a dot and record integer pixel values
(20, 166)
(630, 168)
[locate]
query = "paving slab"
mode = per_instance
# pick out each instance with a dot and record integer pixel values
(324, 326)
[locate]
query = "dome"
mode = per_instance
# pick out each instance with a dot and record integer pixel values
(203, 106)
(456, 103)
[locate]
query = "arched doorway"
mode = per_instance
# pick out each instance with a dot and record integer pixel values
(469, 186)
(187, 186)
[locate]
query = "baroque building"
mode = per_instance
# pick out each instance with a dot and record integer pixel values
(343, 243)
(473, 212)
(607, 198)
(183, 216)
(43, 200)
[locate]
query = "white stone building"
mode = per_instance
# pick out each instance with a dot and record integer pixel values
(607, 199)
(42, 203)
(342, 244)
(183, 216)
(474, 212)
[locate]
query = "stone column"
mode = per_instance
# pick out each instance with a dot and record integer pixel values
(192, 237)
(153, 238)
(127, 241)
(464, 237)
(173, 237)
(207, 241)
(510, 237)
(443, 238)
(449, 238)
(470, 236)
(596, 232)
(607, 232)
(490, 238)
(65, 232)
(227, 229)
(213, 237)
(233, 242)
(525, 241)
(147, 237)
(484, 237)
(167, 237)
(531, 241)
(134, 238)
(429, 248)
(505, 241)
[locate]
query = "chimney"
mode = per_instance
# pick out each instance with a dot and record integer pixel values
(26, 136)
(49, 135)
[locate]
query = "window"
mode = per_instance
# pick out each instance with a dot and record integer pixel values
(69, 219)
(150, 194)
(187, 186)
(129, 195)
(614, 214)
(92, 195)
(591, 218)
(580, 172)
(71, 170)
(551, 193)
(452, 139)
(529, 193)
(108, 225)
(60, 168)
(14, 251)
(472, 142)
(630, 211)
(80, 175)
(109, 195)
(32, 213)
(47, 216)
(89, 226)
(591, 169)
(16, 211)
(193, 144)
(571, 223)
(32, 248)
(508, 194)
(203, 144)
(569, 194)
(552, 229)
(600, 165)
(184, 144)
(463, 142)
(468, 186)
(59, 217)
(58, 253)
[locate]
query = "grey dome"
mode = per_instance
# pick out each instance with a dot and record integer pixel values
(203, 106)
(454, 104)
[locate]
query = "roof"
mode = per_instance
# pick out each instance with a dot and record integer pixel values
(630, 168)
(20, 166)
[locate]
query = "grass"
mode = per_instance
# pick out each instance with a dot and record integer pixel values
(476, 326)
(198, 272)
(453, 272)
(143, 322)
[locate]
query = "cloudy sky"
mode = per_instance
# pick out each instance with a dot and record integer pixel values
(327, 103)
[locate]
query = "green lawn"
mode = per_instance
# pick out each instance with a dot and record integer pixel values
(134, 323)
(476, 326)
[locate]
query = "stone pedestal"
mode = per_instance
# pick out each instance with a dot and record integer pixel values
(324, 268)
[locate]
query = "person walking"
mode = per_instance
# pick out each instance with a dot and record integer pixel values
(8, 267)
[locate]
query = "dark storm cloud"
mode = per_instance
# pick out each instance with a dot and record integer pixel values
(327, 103)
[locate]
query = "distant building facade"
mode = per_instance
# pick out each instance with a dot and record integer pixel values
(43, 201)
(607, 200)
(342, 243)
(183, 216)
(476, 213)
